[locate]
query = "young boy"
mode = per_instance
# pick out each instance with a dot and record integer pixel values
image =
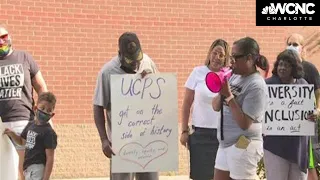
(39, 139)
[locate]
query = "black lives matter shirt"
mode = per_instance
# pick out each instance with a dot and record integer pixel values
(16, 94)
(38, 139)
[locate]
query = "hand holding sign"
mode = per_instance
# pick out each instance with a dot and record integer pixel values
(145, 72)
(314, 116)
(290, 109)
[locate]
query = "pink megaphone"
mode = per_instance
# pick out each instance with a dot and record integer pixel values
(214, 81)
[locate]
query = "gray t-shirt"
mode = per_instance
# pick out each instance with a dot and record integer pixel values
(251, 94)
(102, 91)
(16, 92)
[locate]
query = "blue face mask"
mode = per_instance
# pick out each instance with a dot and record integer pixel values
(42, 116)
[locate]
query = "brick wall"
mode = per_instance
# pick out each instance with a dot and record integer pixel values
(72, 39)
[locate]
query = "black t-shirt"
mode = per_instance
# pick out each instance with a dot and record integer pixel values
(38, 139)
(311, 74)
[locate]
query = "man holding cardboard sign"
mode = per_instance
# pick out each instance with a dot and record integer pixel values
(130, 60)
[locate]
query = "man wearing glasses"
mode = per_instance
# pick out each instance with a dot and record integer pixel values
(130, 60)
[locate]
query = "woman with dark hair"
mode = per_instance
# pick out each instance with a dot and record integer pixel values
(243, 102)
(285, 157)
(203, 143)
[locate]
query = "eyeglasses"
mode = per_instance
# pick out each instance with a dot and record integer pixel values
(235, 57)
(293, 44)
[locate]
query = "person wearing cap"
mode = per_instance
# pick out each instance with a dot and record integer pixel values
(130, 60)
(16, 98)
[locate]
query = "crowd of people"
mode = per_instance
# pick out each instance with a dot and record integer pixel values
(238, 111)
(224, 137)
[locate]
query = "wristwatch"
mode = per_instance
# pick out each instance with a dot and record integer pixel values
(228, 99)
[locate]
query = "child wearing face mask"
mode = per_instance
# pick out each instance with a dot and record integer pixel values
(39, 139)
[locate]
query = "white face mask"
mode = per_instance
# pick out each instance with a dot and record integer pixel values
(294, 48)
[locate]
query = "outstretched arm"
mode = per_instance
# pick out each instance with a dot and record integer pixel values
(17, 139)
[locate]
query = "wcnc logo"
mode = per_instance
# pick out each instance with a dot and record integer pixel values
(287, 13)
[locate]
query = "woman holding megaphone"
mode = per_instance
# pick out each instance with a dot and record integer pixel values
(243, 101)
(202, 142)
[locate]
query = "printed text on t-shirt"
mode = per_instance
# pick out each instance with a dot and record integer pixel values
(11, 81)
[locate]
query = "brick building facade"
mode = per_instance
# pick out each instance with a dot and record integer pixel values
(72, 39)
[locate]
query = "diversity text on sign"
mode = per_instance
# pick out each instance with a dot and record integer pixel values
(288, 110)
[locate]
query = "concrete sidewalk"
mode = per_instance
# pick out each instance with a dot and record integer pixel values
(161, 178)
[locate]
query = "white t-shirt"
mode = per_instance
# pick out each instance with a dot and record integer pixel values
(203, 114)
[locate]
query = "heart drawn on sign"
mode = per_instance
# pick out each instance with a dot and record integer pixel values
(143, 155)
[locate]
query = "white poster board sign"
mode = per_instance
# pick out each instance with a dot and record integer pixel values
(9, 158)
(144, 116)
(289, 107)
